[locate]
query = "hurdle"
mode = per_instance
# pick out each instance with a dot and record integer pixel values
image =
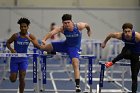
(35, 78)
(2, 45)
(43, 77)
(91, 59)
(44, 72)
(93, 47)
(3, 50)
(102, 70)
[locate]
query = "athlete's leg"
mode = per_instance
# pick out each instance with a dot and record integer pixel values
(75, 64)
(135, 67)
(22, 74)
(13, 71)
(55, 47)
(13, 76)
(23, 65)
(125, 53)
(74, 56)
(48, 48)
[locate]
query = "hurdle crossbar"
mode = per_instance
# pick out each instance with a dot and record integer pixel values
(17, 54)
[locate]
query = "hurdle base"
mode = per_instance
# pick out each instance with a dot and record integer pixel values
(41, 90)
(4, 78)
(110, 81)
(8, 90)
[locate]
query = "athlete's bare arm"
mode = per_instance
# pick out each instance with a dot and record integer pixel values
(53, 32)
(9, 41)
(137, 36)
(82, 25)
(33, 39)
(116, 35)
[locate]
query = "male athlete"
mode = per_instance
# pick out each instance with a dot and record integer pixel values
(130, 51)
(71, 46)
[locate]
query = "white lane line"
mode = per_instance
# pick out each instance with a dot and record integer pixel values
(53, 82)
(85, 82)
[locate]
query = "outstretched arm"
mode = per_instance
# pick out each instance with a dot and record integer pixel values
(116, 35)
(53, 32)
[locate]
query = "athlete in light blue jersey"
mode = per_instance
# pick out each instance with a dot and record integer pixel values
(71, 46)
(131, 50)
(21, 42)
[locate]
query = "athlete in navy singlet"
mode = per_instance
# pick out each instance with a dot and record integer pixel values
(131, 51)
(71, 46)
(21, 42)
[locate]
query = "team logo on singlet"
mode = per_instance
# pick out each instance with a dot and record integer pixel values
(72, 35)
(22, 43)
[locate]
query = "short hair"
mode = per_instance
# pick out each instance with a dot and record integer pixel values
(66, 17)
(127, 25)
(23, 20)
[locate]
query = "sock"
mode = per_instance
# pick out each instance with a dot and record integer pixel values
(77, 81)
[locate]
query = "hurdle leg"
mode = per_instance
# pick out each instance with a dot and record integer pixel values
(5, 69)
(67, 69)
(69, 72)
(86, 65)
(41, 74)
(39, 69)
(44, 72)
(35, 78)
(90, 58)
(101, 78)
(99, 51)
(90, 74)
(123, 72)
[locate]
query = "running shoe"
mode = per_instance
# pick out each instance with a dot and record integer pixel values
(108, 64)
(78, 89)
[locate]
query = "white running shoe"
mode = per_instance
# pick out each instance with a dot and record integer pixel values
(78, 89)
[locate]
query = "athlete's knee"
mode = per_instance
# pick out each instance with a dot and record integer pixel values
(75, 65)
(13, 78)
(49, 47)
